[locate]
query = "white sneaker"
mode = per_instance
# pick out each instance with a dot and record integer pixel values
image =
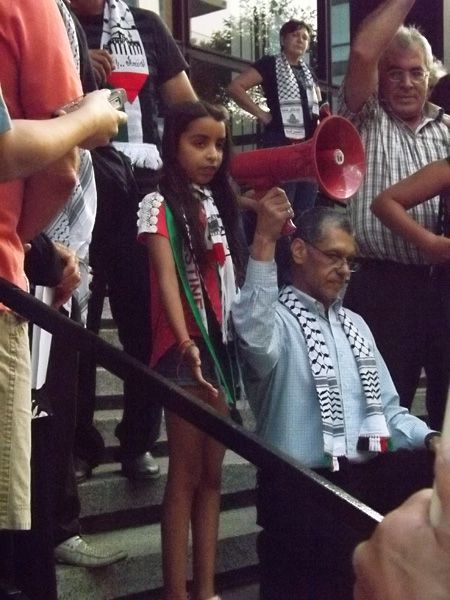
(76, 551)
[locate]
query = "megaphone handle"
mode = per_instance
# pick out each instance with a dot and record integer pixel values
(435, 506)
(324, 111)
(288, 227)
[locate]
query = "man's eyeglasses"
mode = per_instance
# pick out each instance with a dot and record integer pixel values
(335, 260)
(415, 75)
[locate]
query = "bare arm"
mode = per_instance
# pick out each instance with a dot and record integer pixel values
(47, 191)
(371, 40)
(32, 145)
(391, 208)
(177, 89)
(161, 258)
(238, 89)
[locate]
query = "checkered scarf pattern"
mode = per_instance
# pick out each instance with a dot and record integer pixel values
(71, 31)
(289, 97)
(374, 433)
(73, 225)
(122, 39)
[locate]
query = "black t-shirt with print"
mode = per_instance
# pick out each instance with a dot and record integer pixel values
(266, 68)
(163, 57)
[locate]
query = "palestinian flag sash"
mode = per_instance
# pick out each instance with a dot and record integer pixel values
(224, 372)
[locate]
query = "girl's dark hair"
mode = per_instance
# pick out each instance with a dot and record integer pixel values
(176, 187)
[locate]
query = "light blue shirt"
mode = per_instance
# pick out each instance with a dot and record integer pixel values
(5, 122)
(278, 378)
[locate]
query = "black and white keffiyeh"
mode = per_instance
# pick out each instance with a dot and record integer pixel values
(289, 97)
(122, 39)
(374, 434)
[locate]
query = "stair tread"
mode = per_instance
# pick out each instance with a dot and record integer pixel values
(230, 458)
(146, 538)
(109, 492)
(141, 570)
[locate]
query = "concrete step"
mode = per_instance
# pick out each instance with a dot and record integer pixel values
(107, 418)
(141, 571)
(247, 592)
(110, 335)
(107, 384)
(109, 500)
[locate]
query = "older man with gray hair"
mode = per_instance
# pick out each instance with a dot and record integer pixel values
(322, 394)
(385, 95)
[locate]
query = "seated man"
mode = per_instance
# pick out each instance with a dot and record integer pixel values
(322, 394)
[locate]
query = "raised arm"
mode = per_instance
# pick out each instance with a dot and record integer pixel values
(392, 205)
(238, 89)
(273, 209)
(254, 310)
(371, 40)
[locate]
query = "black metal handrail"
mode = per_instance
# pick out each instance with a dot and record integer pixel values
(248, 445)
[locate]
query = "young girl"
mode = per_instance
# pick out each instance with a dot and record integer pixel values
(191, 228)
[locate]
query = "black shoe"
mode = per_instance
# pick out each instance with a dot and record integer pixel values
(10, 592)
(140, 467)
(83, 470)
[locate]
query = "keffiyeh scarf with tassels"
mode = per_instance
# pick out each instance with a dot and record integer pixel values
(289, 97)
(122, 39)
(374, 433)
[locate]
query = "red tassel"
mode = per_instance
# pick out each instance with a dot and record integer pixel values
(384, 444)
(219, 253)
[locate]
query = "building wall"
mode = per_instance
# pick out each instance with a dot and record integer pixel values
(339, 19)
(429, 16)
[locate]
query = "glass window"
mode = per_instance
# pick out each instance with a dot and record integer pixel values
(246, 29)
(210, 82)
(147, 4)
(340, 39)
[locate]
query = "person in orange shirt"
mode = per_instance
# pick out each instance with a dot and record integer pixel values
(27, 205)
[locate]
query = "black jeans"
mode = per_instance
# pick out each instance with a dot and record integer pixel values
(121, 269)
(405, 309)
(304, 550)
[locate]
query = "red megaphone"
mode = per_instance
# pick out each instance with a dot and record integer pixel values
(334, 157)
